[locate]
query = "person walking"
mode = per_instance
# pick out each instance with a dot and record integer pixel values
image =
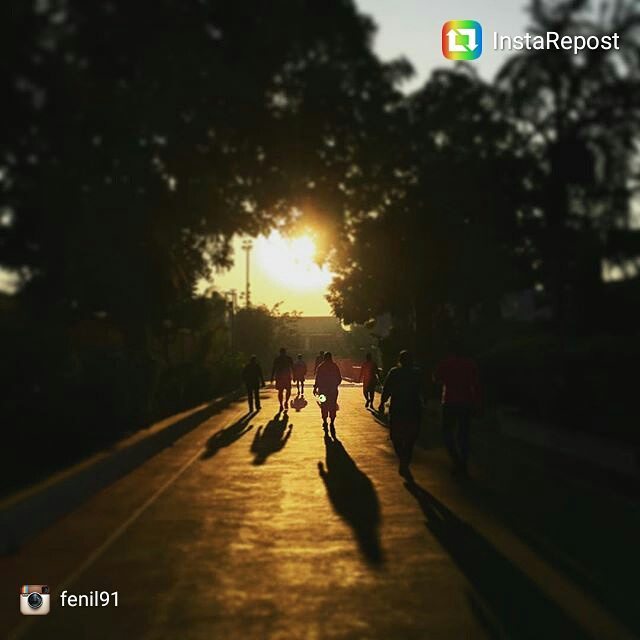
(328, 379)
(299, 373)
(369, 379)
(253, 380)
(319, 361)
(461, 395)
(403, 385)
(282, 373)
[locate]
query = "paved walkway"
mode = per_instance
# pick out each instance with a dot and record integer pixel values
(259, 527)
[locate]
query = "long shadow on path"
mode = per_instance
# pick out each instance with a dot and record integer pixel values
(522, 610)
(354, 498)
(227, 436)
(271, 438)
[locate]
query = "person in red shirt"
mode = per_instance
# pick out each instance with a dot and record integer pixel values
(299, 372)
(460, 382)
(328, 379)
(282, 373)
(369, 379)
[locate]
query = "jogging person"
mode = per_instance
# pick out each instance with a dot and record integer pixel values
(369, 379)
(282, 373)
(461, 395)
(328, 379)
(253, 380)
(299, 373)
(403, 386)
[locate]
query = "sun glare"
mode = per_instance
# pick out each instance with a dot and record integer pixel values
(290, 261)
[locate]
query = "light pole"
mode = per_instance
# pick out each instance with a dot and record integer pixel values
(247, 245)
(231, 301)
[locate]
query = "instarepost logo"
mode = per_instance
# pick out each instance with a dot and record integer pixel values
(462, 40)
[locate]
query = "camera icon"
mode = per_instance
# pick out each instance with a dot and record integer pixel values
(34, 600)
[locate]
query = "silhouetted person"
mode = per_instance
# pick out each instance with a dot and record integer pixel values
(299, 373)
(282, 373)
(319, 361)
(404, 386)
(253, 380)
(328, 379)
(461, 394)
(369, 379)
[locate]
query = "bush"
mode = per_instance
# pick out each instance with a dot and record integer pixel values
(583, 383)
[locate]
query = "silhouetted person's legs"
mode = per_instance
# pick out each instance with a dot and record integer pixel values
(456, 420)
(256, 394)
(404, 435)
(280, 396)
(253, 396)
(324, 411)
(332, 408)
(288, 395)
(250, 397)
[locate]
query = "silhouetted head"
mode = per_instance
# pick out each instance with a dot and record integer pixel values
(321, 354)
(282, 351)
(327, 355)
(405, 359)
(368, 356)
(253, 359)
(299, 356)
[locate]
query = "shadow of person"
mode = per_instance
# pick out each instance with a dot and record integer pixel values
(299, 403)
(227, 436)
(523, 611)
(381, 418)
(353, 498)
(271, 438)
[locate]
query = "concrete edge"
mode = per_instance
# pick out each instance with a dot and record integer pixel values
(592, 450)
(28, 512)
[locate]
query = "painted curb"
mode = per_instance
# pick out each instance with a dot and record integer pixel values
(28, 512)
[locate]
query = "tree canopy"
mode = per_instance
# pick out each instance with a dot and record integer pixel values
(526, 182)
(143, 135)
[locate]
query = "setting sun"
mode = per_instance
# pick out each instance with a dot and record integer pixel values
(291, 261)
(283, 271)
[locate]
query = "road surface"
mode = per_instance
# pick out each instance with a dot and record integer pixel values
(260, 527)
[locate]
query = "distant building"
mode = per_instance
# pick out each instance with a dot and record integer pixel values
(317, 333)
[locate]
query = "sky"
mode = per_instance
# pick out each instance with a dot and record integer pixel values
(283, 270)
(409, 28)
(413, 28)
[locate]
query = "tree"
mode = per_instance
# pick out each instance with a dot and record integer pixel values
(581, 116)
(449, 240)
(261, 332)
(143, 135)
(137, 138)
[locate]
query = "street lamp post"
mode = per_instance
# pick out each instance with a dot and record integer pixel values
(231, 301)
(247, 245)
